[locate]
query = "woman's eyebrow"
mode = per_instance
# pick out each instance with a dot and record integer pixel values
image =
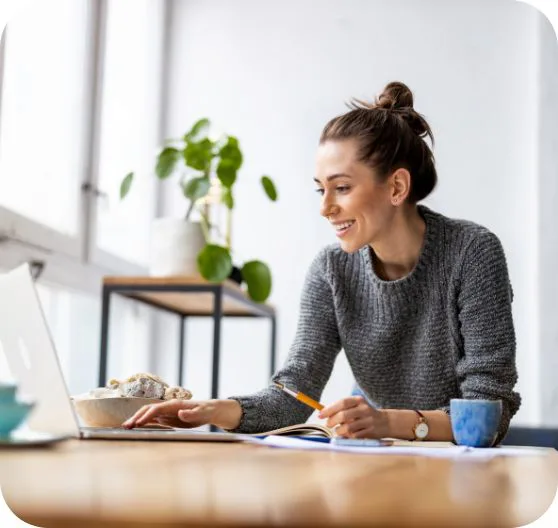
(334, 176)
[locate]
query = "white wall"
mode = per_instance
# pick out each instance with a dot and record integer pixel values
(547, 142)
(273, 73)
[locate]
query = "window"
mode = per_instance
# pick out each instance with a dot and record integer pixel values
(129, 125)
(80, 107)
(43, 119)
(80, 94)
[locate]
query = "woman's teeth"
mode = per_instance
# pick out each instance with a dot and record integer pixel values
(341, 229)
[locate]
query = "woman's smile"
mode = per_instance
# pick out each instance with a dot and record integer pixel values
(342, 228)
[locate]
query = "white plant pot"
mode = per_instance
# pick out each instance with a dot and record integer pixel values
(175, 245)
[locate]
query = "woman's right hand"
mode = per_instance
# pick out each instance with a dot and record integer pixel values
(225, 414)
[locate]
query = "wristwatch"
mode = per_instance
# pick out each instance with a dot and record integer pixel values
(420, 430)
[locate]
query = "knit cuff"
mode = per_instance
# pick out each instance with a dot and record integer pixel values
(248, 421)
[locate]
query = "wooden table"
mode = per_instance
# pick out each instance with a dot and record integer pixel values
(185, 296)
(142, 484)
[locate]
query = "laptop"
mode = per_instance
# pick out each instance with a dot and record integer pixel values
(30, 353)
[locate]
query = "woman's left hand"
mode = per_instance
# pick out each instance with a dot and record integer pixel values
(353, 417)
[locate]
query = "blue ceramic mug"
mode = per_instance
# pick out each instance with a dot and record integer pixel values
(475, 423)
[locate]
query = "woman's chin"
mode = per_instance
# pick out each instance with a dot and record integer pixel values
(348, 246)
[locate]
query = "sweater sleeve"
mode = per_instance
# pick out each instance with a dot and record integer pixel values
(487, 369)
(310, 361)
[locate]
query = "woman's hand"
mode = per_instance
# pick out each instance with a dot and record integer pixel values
(353, 418)
(187, 413)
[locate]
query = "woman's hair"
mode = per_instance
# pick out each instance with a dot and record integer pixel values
(390, 134)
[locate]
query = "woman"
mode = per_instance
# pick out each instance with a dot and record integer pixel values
(420, 303)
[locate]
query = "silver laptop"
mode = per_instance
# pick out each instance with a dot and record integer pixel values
(28, 347)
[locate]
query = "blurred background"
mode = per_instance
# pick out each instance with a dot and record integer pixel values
(90, 89)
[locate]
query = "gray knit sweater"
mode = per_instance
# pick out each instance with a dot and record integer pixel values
(444, 331)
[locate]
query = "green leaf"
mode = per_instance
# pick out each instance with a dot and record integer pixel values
(269, 188)
(199, 155)
(126, 184)
(258, 279)
(199, 128)
(214, 263)
(228, 198)
(230, 151)
(226, 172)
(196, 188)
(166, 162)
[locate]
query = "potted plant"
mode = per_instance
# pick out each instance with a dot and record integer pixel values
(207, 170)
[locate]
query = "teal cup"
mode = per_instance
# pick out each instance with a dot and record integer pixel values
(475, 423)
(12, 412)
(7, 392)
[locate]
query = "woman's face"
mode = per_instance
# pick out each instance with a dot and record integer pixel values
(356, 204)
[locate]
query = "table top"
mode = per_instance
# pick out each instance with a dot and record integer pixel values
(122, 483)
(235, 299)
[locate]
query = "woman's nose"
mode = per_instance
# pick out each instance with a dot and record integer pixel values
(328, 207)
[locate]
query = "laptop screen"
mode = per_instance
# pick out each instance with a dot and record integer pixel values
(30, 354)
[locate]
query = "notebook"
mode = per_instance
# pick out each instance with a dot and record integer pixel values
(306, 429)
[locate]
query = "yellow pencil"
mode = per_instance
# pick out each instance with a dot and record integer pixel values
(300, 397)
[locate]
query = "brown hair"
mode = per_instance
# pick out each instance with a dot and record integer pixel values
(390, 133)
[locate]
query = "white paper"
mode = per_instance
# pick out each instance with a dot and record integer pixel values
(438, 452)
(513, 451)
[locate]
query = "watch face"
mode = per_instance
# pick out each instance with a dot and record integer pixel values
(421, 430)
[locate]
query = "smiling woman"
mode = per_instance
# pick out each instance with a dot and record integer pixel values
(421, 303)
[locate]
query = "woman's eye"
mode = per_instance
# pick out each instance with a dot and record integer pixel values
(339, 188)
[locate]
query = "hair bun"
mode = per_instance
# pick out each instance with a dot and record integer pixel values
(398, 98)
(396, 95)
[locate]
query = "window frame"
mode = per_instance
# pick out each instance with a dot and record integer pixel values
(76, 262)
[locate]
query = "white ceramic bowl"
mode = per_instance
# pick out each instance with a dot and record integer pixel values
(109, 412)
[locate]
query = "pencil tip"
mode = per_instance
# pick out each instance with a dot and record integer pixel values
(279, 385)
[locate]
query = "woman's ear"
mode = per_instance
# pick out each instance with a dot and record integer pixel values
(400, 186)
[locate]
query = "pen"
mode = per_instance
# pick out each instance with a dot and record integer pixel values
(300, 396)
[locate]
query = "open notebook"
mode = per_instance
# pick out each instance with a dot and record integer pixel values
(306, 429)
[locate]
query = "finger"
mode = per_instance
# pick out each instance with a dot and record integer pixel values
(345, 403)
(149, 412)
(169, 407)
(347, 415)
(350, 429)
(130, 422)
(135, 420)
